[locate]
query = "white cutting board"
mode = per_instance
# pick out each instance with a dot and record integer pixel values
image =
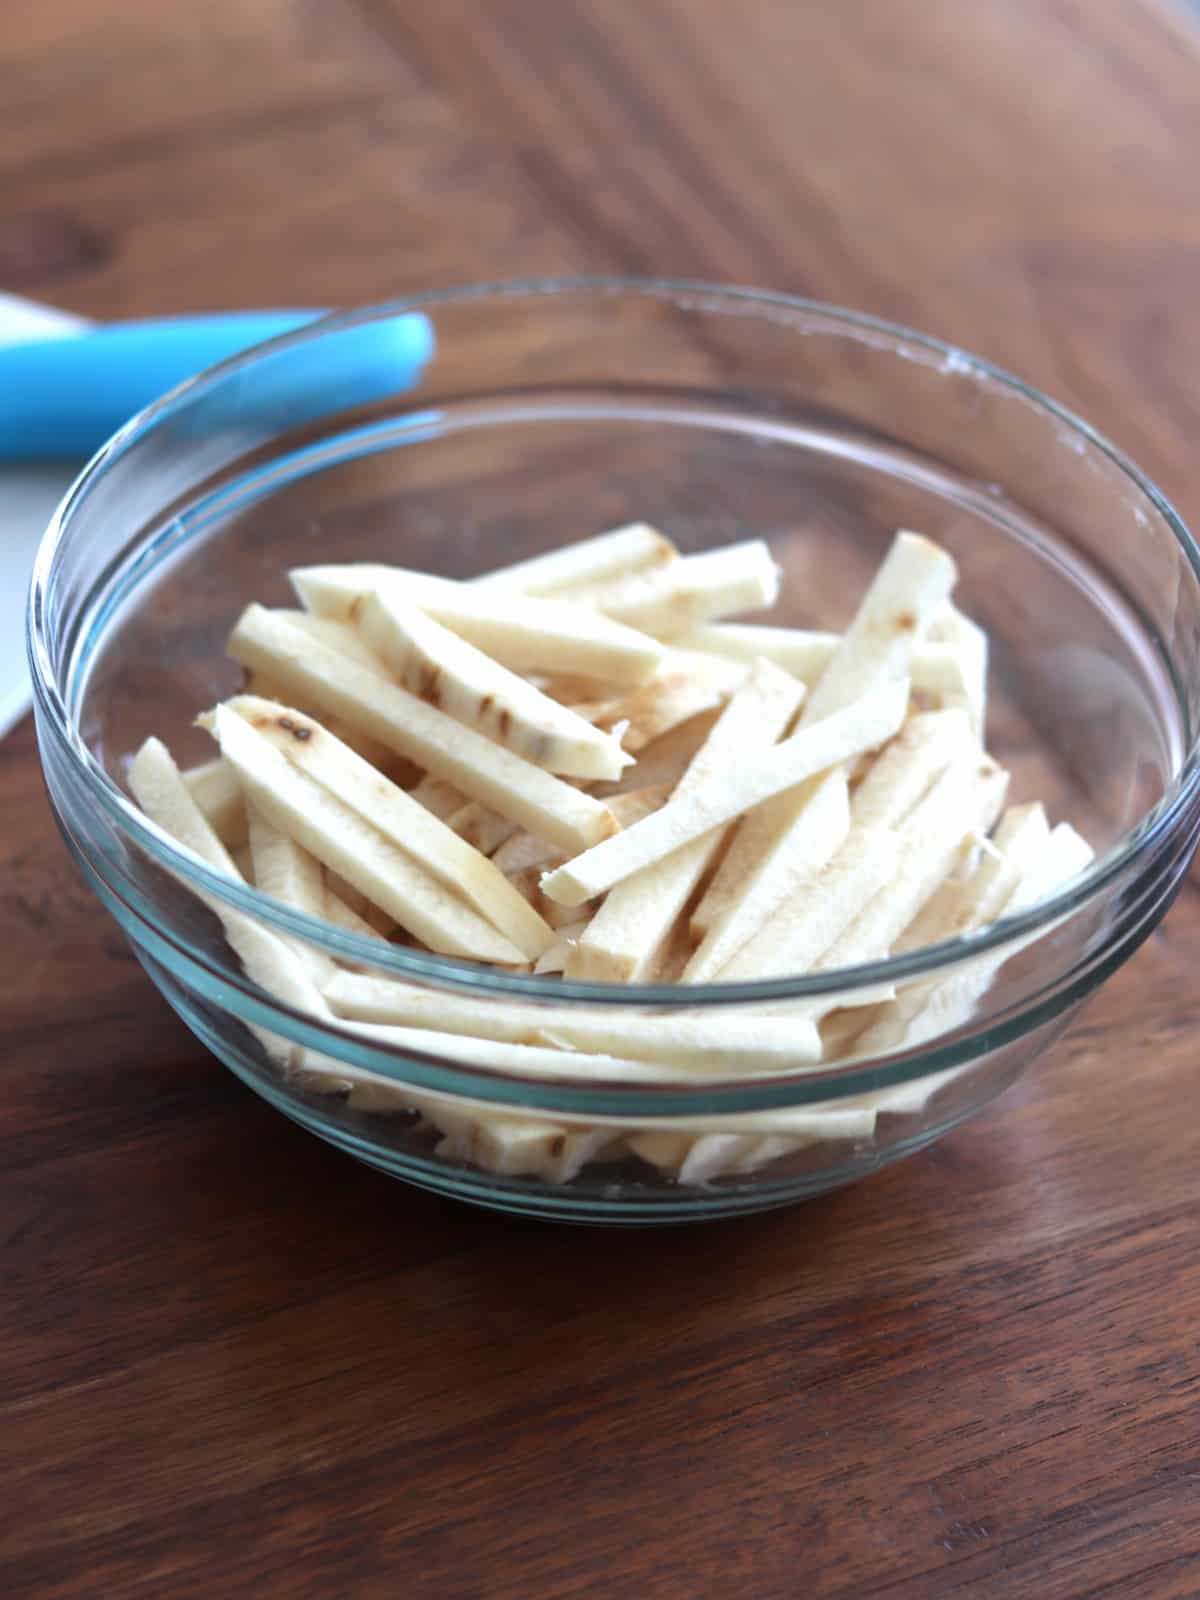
(28, 495)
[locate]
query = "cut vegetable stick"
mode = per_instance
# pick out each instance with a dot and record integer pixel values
(483, 771)
(529, 1060)
(664, 760)
(266, 688)
(927, 1010)
(215, 789)
(526, 850)
(268, 959)
(907, 592)
(704, 1044)
(1021, 834)
(512, 1148)
(472, 688)
(285, 870)
(716, 1155)
(438, 796)
(656, 709)
(937, 667)
(481, 827)
(556, 957)
(609, 555)
(958, 905)
(967, 797)
(164, 795)
(708, 1042)
(666, 1151)
(677, 596)
(340, 636)
(967, 645)
(626, 934)
(528, 886)
(701, 1158)
(800, 651)
(759, 835)
(399, 819)
(807, 924)
(905, 770)
(861, 726)
(343, 840)
(523, 634)
(777, 847)
(841, 1030)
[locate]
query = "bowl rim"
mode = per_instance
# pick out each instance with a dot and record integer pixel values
(1170, 813)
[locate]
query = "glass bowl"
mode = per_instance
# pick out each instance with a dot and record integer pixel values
(549, 411)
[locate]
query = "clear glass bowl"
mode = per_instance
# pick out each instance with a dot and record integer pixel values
(550, 411)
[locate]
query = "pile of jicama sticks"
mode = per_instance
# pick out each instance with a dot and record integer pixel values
(574, 765)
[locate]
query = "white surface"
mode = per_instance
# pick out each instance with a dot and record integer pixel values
(27, 497)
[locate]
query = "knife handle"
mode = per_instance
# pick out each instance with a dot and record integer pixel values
(61, 397)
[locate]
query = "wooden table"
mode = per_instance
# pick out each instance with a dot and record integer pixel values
(233, 1362)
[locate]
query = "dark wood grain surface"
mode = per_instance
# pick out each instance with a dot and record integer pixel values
(234, 1363)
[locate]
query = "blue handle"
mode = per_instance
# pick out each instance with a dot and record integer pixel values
(62, 397)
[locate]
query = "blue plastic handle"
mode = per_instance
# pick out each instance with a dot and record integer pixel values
(62, 397)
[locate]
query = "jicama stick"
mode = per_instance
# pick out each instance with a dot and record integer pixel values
(286, 871)
(483, 771)
(862, 726)
(906, 594)
(340, 636)
(906, 769)
(399, 819)
(928, 1010)
(472, 688)
(524, 850)
(664, 760)
(342, 839)
(938, 668)
(614, 554)
(677, 596)
(967, 644)
(800, 651)
(959, 905)
(512, 1148)
(805, 926)
(967, 797)
(165, 796)
(267, 958)
(624, 937)
(531, 1060)
(523, 634)
(786, 841)
(710, 1042)
(215, 789)
(654, 710)
(556, 957)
